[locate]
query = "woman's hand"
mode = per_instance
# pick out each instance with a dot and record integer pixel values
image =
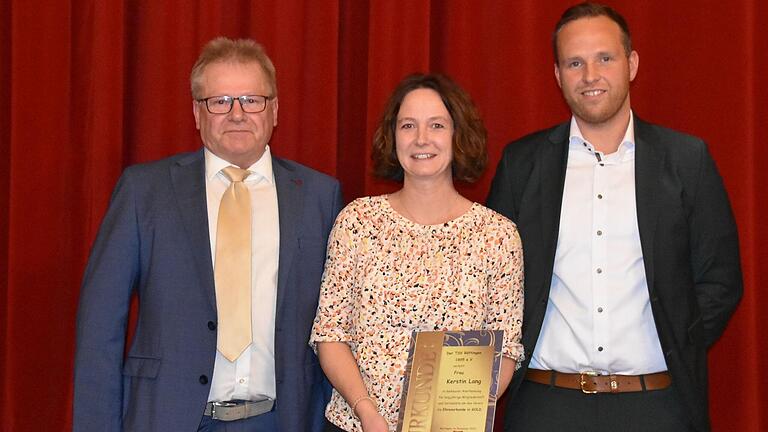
(370, 418)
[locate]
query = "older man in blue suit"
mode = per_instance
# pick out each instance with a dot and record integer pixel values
(158, 240)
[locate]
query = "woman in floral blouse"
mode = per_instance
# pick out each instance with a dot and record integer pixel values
(423, 258)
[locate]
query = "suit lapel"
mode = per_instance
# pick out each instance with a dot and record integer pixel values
(290, 203)
(648, 164)
(554, 160)
(188, 182)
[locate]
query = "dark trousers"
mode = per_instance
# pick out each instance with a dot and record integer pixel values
(266, 422)
(543, 408)
(330, 427)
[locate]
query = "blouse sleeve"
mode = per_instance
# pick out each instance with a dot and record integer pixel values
(505, 308)
(334, 318)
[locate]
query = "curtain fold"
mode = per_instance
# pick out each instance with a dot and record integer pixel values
(88, 88)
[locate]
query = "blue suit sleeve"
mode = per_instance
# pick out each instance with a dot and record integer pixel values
(105, 296)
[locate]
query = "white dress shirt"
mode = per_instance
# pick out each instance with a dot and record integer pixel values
(252, 375)
(599, 316)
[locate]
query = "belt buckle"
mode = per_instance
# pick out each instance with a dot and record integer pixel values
(583, 381)
(221, 404)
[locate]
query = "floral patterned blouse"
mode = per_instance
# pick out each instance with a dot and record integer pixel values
(386, 276)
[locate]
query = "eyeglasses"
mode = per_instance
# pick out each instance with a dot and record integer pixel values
(223, 104)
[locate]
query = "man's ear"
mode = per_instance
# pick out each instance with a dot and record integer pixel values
(196, 113)
(274, 112)
(634, 63)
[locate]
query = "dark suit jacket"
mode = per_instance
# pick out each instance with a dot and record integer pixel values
(687, 234)
(154, 241)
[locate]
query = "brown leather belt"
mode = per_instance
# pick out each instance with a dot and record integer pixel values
(590, 382)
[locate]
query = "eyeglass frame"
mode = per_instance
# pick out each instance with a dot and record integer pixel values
(204, 101)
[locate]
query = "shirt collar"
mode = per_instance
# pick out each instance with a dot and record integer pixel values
(577, 141)
(260, 170)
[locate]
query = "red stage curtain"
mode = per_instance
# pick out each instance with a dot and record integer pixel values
(87, 88)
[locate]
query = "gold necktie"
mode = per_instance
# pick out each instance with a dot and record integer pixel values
(232, 272)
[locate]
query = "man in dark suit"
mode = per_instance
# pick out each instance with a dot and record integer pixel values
(631, 252)
(159, 240)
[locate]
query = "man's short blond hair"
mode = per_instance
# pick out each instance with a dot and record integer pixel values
(241, 51)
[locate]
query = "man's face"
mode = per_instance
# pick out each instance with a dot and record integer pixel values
(237, 137)
(594, 71)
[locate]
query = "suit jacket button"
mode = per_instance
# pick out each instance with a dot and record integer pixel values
(203, 379)
(211, 325)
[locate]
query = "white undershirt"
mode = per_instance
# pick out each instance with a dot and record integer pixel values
(252, 375)
(599, 314)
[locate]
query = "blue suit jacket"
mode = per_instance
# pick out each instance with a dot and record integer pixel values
(154, 241)
(687, 234)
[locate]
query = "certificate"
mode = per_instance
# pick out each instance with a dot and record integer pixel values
(451, 381)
